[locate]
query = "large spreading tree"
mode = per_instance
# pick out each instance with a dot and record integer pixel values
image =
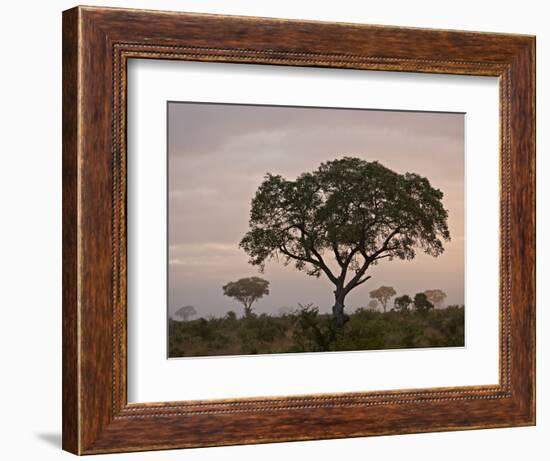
(343, 218)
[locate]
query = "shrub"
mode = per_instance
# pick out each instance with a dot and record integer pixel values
(307, 330)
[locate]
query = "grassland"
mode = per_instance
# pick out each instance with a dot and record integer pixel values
(306, 330)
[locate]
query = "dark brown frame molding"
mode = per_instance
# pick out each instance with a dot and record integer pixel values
(97, 43)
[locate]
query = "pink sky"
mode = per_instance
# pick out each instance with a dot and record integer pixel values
(218, 156)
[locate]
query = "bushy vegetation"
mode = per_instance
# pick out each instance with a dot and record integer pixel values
(307, 330)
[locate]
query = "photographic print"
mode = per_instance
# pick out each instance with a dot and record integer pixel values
(313, 229)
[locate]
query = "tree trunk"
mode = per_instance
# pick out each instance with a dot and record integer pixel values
(340, 317)
(247, 310)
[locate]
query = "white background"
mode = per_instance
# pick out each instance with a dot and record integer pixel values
(153, 378)
(30, 243)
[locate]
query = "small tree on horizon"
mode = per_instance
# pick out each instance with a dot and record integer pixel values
(185, 312)
(247, 291)
(402, 303)
(436, 296)
(383, 295)
(421, 303)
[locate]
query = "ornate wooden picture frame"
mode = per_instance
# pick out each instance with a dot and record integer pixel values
(97, 44)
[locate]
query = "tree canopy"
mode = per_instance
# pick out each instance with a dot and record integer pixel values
(421, 302)
(354, 212)
(436, 296)
(185, 312)
(247, 291)
(383, 295)
(402, 303)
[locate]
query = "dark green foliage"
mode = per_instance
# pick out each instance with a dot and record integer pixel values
(231, 315)
(402, 303)
(312, 332)
(306, 330)
(421, 303)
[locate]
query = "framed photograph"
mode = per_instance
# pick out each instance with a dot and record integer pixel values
(281, 230)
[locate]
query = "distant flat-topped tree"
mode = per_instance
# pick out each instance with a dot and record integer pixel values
(354, 212)
(247, 291)
(186, 312)
(383, 295)
(436, 297)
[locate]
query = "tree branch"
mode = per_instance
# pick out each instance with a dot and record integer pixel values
(320, 260)
(346, 264)
(282, 249)
(362, 281)
(337, 255)
(385, 244)
(323, 266)
(320, 263)
(386, 255)
(352, 253)
(354, 281)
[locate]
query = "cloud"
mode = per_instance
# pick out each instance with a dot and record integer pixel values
(203, 248)
(196, 193)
